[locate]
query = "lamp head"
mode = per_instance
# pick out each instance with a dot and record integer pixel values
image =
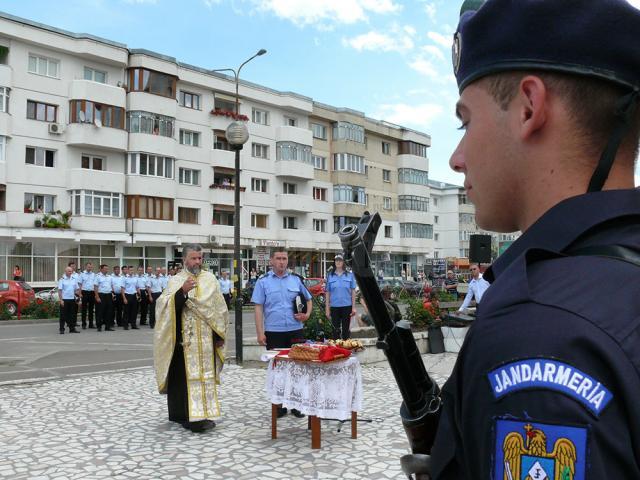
(237, 134)
(262, 51)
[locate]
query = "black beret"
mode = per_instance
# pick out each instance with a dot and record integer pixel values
(597, 38)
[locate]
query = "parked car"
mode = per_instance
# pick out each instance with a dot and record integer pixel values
(316, 286)
(49, 295)
(413, 288)
(13, 293)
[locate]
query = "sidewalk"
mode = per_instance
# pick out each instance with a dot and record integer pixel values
(116, 426)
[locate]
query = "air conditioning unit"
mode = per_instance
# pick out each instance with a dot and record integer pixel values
(56, 128)
(212, 239)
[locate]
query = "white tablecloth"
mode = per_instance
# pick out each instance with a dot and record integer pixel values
(327, 390)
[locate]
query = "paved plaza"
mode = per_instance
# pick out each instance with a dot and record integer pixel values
(115, 425)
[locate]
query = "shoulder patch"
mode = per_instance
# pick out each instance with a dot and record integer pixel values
(543, 373)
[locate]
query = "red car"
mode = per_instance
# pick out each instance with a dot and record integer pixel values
(14, 292)
(315, 286)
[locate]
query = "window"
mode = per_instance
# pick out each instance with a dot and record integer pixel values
(220, 141)
(387, 203)
(95, 203)
(320, 194)
(36, 203)
(152, 208)
(416, 230)
(3, 200)
(413, 202)
(3, 147)
(348, 162)
(462, 199)
(339, 222)
(41, 111)
(222, 216)
(411, 175)
(259, 150)
(290, 121)
(386, 148)
(466, 218)
(259, 185)
(188, 176)
(151, 165)
(260, 116)
(151, 123)
(290, 223)
(289, 188)
(435, 202)
(436, 218)
(293, 151)
(93, 163)
(187, 137)
(40, 157)
(220, 103)
(406, 147)
(188, 215)
(144, 80)
(85, 111)
(95, 75)
(44, 66)
(349, 194)
(259, 220)
(386, 175)
(388, 233)
(4, 99)
(319, 163)
(319, 131)
(189, 100)
(436, 236)
(348, 131)
(319, 225)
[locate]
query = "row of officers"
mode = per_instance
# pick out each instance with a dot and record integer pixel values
(116, 297)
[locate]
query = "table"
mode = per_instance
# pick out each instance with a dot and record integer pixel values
(319, 390)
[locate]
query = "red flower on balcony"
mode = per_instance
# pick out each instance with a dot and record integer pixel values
(228, 113)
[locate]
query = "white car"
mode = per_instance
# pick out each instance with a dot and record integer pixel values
(50, 295)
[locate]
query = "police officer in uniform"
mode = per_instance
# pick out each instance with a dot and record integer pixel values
(154, 291)
(143, 284)
(87, 280)
(117, 282)
(547, 383)
(67, 291)
(103, 291)
(129, 294)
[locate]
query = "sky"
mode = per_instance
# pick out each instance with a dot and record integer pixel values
(389, 59)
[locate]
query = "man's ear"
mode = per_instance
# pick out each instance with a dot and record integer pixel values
(532, 98)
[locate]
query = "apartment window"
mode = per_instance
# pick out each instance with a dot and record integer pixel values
(36, 203)
(348, 131)
(319, 225)
(41, 157)
(436, 218)
(187, 137)
(349, 194)
(386, 148)
(3, 200)
(387, 203)
(4, 99)
(188, 215)
(406, 147)
(319, 131)
(152, 208)
(222, 216)
(416, 230)
(85, 111)
(466, 218)
(151, 123)
(436, 236)
(259, 185)
(291, 121)
(259, 150)
(290, 223)
(96, 203)
(435, 202)
(92, 163)
(413, 202)
(289, 188)
(144, 80)
(462, 199)
(220, 103)
(188, 176)
(259, 220)
(319, 163)
(386, 175)
(150, 165)
(3, 147)
(48, 67)
(320, 194)
(411, 175)
(95, 75)
(348, 162)
(220, 141)
(189, 100)
(260, 116)
(339, 222)
(388, 232)
(41, 111)
(293, 151)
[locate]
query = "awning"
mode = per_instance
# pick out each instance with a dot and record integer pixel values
(223, 208)
(224, 170)
(223, 96)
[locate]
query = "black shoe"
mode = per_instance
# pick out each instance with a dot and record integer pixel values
(74, 331)
(281, 412)
(84, 327)
(135, 328)
(61, 332)
(91, 326)
(143, 323)
(297, 413)
(126, 328)
(99, 329)
(109, 330)
(199, 426)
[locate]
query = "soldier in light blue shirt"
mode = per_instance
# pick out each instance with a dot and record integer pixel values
(130, 298)
(103, 291)
(340, 301)
(164, 278)
(155, 290)
(117, 282)
(225, 287)
(143, 284)
(67, 291)
(87, 281)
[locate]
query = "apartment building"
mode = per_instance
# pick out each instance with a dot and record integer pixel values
(116, 155)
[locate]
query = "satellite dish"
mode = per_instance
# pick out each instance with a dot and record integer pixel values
(97, 122)
(82, 116)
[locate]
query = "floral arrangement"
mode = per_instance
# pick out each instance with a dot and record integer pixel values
(227, 113)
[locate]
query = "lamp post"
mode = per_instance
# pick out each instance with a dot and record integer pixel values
(237, 135)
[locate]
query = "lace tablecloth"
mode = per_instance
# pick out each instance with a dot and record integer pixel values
(326, 390)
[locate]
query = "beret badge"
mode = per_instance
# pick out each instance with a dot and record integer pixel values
(456, 49)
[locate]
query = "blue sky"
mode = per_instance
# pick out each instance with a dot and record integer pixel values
(387, 58)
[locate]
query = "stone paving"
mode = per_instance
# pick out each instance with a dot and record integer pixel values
(115, 426)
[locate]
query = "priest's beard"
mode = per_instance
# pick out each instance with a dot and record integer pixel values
(194, 270)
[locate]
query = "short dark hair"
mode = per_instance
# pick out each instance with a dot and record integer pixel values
(103, 265)
(275, 250)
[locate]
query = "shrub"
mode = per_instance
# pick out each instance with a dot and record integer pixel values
(418, 315)
(318, 327)
(42, 309)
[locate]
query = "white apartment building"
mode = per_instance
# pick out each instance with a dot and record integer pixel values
(118, 156)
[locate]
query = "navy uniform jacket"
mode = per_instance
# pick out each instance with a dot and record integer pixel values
(547, 382)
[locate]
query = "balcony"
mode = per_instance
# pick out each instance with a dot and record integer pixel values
(414, 216)
(224, 194)
(413, 189)
(294, 169)
(6, 124)
(88, 135)
(413, 161)
(223, 158)
(98, 92)
(82, 178)
(148, 102)
(285, 133)
(6, 76)
(295, 203)
(148, 185)
(146, 142)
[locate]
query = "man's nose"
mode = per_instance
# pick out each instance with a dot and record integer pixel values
(456, 162)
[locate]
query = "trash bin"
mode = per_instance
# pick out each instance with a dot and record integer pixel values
(436, 340)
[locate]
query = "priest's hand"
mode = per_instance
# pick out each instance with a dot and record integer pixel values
(188, 285)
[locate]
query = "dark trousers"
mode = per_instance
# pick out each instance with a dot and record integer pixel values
(341, 321)
(131, 310)
(227, 299)
(88, 304)
(116, 311)
(152, 309)
(66, 314)
(284, 339)
(144, 306)
(103, 311)
(75, 312)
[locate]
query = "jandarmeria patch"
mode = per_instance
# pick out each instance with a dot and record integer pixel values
(542, 373)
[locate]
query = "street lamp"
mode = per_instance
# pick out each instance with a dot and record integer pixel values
(237, 135)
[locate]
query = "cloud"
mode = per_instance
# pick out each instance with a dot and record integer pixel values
(419, 116)
(313, 12)
(430, 10)
(442, 40)
(210, 3)
(425, 67)
(397, 40)
(433, 51)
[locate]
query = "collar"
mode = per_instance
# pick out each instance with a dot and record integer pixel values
(273, 274)
(553, 231)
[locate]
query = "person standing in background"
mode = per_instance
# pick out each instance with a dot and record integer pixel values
(340, 299)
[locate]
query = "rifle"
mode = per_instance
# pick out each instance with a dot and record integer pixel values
(420, 409)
